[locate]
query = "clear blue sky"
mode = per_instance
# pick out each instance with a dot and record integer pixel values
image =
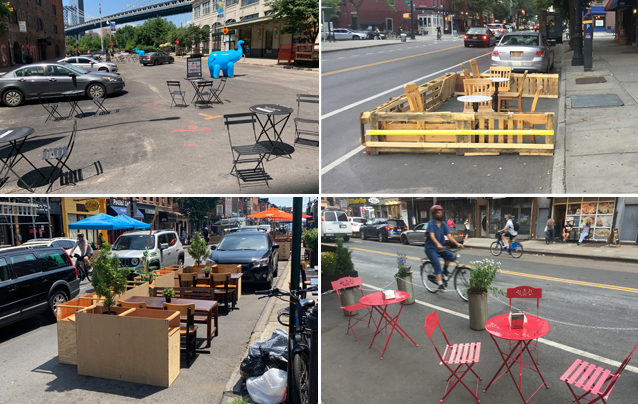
(91, 8)
(286, 201)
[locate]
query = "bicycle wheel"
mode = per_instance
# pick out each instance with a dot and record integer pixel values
(428, 278)
(89, 272)
(517, 250)
(496, 248)
(462, 281)
(300, 378)
(547, 237)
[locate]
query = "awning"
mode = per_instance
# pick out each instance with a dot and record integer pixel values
(117, 210)
(619, 5)
(252, 21)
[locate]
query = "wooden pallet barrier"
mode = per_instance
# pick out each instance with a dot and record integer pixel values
(549, 82)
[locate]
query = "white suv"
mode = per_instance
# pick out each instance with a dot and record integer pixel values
(334, 223)
(356, 223)
(130, 246)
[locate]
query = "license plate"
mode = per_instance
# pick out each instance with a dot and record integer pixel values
(329, 235)
(475, 37)
(517, 54)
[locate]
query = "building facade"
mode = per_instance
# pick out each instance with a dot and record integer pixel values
(35, 32)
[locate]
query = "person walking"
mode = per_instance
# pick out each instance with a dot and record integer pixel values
(467, 224)
(183, 236)
(450, 223)
(550, 227)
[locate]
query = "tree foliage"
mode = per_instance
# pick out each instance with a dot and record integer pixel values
(5, 9)
(198, 250)
(109, 280)
(299, 16)
(197, 209)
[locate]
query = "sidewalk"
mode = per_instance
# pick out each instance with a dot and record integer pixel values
(589, 250)
(345, 45)
(592, 151)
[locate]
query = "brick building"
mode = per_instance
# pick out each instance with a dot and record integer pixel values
(35, 32)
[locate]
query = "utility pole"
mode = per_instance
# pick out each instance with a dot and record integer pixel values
(578, 59)
(412, 19)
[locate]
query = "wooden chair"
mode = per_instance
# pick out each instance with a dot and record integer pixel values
(505, 72)
(131, 305)
(205, 283)
(478, 87)
(526, 292)
(414, 97)
(505, 97)
(339, 286)
(188, 330)
(221, 284)
(593, 380)
(476, 74)
(538, 93)
(458, 356)
(466, 73)
(187, 280)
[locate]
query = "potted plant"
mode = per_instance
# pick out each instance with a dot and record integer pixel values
(342, 267)
(311, 242)
(168, 293)
(404, 277)
(109, 280)
(480, 285)
(206, 271)
(198, 250)
(145, 274)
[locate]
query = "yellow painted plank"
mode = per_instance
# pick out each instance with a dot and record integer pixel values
(441, 132)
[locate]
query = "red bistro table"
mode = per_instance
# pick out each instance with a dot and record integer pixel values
(499, 327)
(379, 304)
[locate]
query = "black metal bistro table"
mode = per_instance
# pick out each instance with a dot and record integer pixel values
(73, 97)
(198, 84)
(276, 115)
(16, 137)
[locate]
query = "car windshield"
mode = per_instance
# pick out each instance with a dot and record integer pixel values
(520, 40)
(133, 242)
(476, 31)
(396, 223)
(240, 242)
(74, 68)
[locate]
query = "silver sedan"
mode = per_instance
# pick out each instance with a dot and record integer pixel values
(89, 64)
(524, 51)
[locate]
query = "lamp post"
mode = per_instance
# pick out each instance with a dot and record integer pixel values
(578, 58)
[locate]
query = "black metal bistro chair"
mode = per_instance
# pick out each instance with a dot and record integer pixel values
(178, 93)
(60, 155)
(217, 92)
(204, 93)
(51, 108)
(306, 133)
(253, 153)
(101, 109)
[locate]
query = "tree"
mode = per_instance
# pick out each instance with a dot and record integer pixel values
(197, 209)
(5, 10)
(299, 16)
(198, 250)
(71, 44)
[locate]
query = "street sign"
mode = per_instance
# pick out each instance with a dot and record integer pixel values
(224, 30)
(111, 43)
(23, 26)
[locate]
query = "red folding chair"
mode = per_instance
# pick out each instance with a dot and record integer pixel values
(458, 354)
(526, 292)
(593, 380)
(345, 283)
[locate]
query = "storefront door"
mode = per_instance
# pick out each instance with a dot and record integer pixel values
(629, 230)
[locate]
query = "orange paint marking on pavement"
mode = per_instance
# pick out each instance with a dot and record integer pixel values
(152, 103)
(192, 129)
(210, 116)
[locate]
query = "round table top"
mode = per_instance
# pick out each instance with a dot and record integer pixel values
(10, 134)
(499, 79)
(72, 92)
(474, 98)
(376, 298)
(271, 109)
(535, 327)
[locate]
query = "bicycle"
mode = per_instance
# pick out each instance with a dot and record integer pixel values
(438, 36)
(548, 236)
(497, 247)
(460, 273)
(82, 271)
(302, 342)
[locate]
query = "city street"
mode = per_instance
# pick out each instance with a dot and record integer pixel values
(192, 143)
(357, 80)
(589, 305)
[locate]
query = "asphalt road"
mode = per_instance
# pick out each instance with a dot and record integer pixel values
(590, 306)
(146, 146)
(358, 80)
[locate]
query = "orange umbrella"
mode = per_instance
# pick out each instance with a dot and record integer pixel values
(267, 214)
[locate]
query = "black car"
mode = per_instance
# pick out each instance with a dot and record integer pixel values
(383, 229)
(33, 280)
(156, 58)
(256, 251)
(479, 37)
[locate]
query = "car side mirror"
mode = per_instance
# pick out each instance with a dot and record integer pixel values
(274, 246)
(213, 247)
(163, 246)
(72, 75)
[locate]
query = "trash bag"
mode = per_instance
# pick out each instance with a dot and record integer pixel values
(268, 388)
(257, 365)
(277, 344)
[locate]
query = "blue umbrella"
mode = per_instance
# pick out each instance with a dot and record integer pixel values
(133, 223)
(100, 221)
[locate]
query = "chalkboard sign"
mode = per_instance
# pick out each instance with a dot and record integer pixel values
(193, 67)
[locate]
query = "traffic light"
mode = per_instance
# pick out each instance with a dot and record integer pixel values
(406, 16)
(523, 12)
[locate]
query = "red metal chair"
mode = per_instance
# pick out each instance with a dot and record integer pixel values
(526, 292)
(349, 282)
(457, 354)
(593, 380)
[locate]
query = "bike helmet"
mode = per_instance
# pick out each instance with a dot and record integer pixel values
(435, 208)
(80, 234)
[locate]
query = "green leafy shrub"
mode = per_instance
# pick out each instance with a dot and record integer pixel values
(328, 263)
(198, 250)
(311, 239)
(344, 257)
(109, 280)
(168, 293)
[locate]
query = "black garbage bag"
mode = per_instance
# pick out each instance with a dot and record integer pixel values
(277, 344)
(257, 365)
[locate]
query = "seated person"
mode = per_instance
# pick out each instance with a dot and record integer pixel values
(566, 230)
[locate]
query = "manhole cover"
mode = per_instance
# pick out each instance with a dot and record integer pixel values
(596, 100)
(590, 80)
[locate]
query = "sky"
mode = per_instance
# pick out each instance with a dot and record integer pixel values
(286, 201)
(91, 8)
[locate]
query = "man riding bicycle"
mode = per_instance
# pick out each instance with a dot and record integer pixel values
(509, 232)
(85, 249)
(436, 231)
(438, 32)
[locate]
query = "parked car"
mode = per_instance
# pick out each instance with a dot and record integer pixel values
(346, 33)
(479, 37)
(418, 234)
(90, 64)
(62, 242)
(261, 227)
(52, 79)
(383, 229)
(33, 280)
(156, 58)
(498, 30)
(524, 51)
(256, 251)
(356, 223)
(166, 245)
(334, 223)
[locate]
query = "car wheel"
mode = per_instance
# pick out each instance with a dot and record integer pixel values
(170, 61)
(404, 239)
(346, 238)
(467, 46)
(156, 62)
(95, 90)
(103, 69)
(355, 38)
(57, 297)
(180, 261)
(275, 273)
(380, 237)
(363, 236)
(12, 98)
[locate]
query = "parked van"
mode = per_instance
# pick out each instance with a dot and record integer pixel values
(335, 222)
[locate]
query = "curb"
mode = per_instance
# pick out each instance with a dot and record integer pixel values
(567, 255)
(559, 169)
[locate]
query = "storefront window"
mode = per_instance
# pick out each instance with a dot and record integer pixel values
(519, 208)
(599, 212)
(458, 209)
(269, 40)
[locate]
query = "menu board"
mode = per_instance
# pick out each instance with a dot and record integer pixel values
(193, 67)
(600, 216)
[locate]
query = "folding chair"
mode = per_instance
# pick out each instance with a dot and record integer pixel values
(526, 292)
(61, 156)
(458, 354)
(204, 93)
(344, 283)
(101, 110)
(216, 92)
(591, 379)
(310, 99)
(254, 153)
(177, 92)
(478, 87)
(51, 108)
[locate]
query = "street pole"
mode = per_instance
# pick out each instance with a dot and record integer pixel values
(294, 281)
(411, 19)
(578, 59)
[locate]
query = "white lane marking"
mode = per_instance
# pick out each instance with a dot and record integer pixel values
(354, 56)
(380, 52)
(341, 159)
(557, 345)
(391, 50)
(342, 57)
(369, 53)
(6, 133)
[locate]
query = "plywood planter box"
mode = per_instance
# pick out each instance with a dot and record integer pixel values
(67, 348)
(136, 345)
(284, 248)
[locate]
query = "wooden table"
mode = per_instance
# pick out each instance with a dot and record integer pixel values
(208, 307)
(235, 279)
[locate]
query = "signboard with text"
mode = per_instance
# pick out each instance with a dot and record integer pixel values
(193, 67)
(23, 26)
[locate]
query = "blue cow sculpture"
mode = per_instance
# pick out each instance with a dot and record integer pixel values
(224, 61)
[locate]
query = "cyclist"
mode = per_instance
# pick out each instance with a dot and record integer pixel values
(85, 249)
(434, 239)
(438, 32)
(509, 232)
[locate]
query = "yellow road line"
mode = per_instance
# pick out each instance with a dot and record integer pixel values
(387, 61)
(524, 275)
